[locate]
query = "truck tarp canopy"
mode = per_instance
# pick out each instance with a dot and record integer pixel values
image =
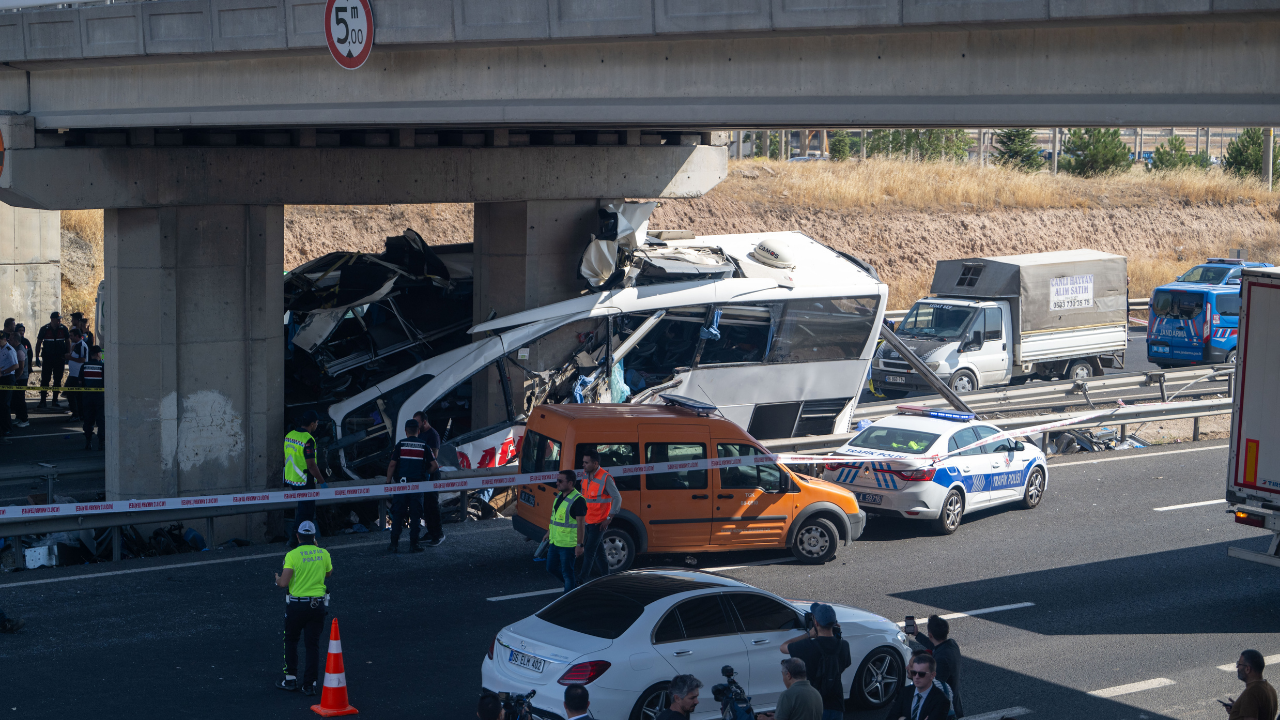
(1053, 290)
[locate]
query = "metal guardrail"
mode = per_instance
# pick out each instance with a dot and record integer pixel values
(1134, 305)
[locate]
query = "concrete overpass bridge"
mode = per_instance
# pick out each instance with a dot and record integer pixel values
(194, 121)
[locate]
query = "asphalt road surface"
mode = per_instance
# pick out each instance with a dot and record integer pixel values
(1127, 610)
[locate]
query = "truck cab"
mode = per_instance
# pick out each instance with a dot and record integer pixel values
(1193, 324)
(965, 342)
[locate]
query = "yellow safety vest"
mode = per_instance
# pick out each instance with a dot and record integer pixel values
(564, 527)
(295, 460)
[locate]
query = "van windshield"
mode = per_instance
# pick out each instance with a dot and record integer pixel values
(1177, 305)
(936, 321)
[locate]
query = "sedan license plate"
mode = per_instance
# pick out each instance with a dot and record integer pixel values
(528, 499)
(894, 378)
(528, 662)
(870, 498)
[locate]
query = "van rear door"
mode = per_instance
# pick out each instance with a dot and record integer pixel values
(1178, 326)
(676, 506)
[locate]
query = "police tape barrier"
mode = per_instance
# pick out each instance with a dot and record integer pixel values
(37, 388)
(370, 492)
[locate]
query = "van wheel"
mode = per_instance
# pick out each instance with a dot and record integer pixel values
(1035, 490)
(619, 549)
(952, 511)
(963, 381)
(1231, 358)
(1080, 370)
(815, 541)
(652, 702)
(877, 680)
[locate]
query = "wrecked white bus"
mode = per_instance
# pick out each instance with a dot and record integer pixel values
(775, 329)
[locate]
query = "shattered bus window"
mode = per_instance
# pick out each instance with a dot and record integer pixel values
(744, 337)
(671, 345)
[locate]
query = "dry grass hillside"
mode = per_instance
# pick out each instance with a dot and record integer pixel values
(900, 216)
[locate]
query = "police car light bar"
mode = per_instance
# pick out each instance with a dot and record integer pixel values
(923, 411)
(1226, 261)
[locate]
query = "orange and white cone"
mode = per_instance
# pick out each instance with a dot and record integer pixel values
(333, 699)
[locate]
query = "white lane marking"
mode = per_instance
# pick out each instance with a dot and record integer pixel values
(1012, 712)
(500, 598)
(1134, 457)
(755, 563)
(1132, 688)
(208, 562)
(1270, 660)
(983, 611)
(1187, 505)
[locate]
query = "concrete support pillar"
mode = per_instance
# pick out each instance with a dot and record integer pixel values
(195, 354)
(30, 267)
(526, 256)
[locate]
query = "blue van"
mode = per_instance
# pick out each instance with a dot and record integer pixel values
(1193, 324)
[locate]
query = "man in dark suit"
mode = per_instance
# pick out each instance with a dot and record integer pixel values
(921, 700)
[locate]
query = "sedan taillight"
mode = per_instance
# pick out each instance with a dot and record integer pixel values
(921, 475)
(584, 673)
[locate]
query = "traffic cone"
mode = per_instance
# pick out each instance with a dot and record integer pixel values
(333, 699)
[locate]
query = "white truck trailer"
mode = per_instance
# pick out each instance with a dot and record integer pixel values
(996, 320)
(1253, 465)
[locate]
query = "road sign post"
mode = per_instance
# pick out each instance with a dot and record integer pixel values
(348, 29)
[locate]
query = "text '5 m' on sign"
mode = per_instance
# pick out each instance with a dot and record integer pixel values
(348, 28)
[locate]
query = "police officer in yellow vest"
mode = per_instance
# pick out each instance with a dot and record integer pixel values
(565, 533)
(300, 469)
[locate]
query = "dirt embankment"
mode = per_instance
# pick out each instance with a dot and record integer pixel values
(314, 230)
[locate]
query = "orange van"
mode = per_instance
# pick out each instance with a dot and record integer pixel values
(730, 508)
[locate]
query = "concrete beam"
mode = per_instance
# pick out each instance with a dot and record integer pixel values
(76, 178)
(1214, 70)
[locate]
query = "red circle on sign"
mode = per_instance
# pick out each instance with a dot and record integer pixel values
(348, 29)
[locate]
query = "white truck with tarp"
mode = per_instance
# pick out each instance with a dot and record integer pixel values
(1009, 319)
(1253, 463)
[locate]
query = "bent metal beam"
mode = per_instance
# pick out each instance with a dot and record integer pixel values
(135, 177)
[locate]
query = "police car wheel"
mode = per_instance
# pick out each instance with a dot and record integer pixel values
(951, 514)
(652, 702)
(815, 541)
(1035, 490)
(963, 381)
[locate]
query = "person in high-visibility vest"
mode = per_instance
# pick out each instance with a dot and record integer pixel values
(603, 503)
(564, 535)
(306, 567)
(300, 469)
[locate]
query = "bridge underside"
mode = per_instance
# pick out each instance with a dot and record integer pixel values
(1211, 70)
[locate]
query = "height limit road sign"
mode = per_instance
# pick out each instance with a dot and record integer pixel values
(348, 28)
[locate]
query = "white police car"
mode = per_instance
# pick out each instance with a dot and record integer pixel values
(906, 476)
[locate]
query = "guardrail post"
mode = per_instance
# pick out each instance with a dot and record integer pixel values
(49, 479)
(1195, 429)
(115, 543)
(1124, 432)
(208, 532)
(19, 559)
(1044, 442)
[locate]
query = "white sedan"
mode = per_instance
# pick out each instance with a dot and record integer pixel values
(625, 636)
(902, 478)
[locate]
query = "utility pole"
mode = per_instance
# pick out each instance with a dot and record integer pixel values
(862, 142)
(1057, 148)
(824, 151)
(1137, 154)
(1197, 141)
(1268, 155)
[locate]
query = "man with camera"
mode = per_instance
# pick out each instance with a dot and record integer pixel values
(825, 654)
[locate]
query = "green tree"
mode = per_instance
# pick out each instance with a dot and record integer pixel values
(775, 149)
(1244, 155)
(1090, 152)
(838, 145)
(917, 144)
(1017, 148)
(1173, 155)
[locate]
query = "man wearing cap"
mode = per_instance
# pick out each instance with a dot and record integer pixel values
(411, 462)
(51, 346)
(300, 469)
(91, 401)
(826, 655)
(305, 569)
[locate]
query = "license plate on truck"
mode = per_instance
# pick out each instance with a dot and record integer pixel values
(894, 378)
(870, 498)
(526, 661)
(527, 498)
